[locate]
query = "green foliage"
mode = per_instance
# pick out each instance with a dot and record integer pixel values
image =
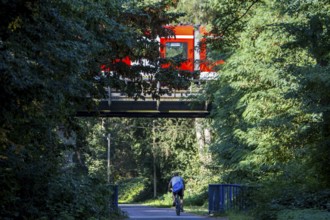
(271, 105)
(139, 145)
(72, 197)
(131, 190)
(51, 53)
(23, 174)
(196, 194)
(239, 216)
(272, 100)
(195, 199)
(303, 214)
(193, 11)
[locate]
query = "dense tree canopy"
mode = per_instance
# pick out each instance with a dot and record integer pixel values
(51, 53)
(270, 117)
(272, 99)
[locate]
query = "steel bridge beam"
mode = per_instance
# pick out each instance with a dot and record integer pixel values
(172, 105)
(149, 109)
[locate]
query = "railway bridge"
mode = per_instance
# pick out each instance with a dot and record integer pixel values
(177, 104)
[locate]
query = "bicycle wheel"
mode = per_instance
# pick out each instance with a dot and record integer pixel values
(177, 204)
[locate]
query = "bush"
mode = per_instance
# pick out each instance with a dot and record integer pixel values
(274, 197)
(198, 198)
(133, 190)
(303, 214)
(78, 197)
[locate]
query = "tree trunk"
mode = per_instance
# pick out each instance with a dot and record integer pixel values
(203, 135)
(154, 157)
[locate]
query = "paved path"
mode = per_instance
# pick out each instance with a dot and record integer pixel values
(149, 213)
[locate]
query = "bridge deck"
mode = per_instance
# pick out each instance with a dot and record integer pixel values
(175, 105)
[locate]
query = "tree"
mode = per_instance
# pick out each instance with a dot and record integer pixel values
(269, 116)
(51, 53)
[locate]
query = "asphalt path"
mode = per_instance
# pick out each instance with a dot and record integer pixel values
(148, 213)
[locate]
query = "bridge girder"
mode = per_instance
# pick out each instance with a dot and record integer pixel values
(149, 109)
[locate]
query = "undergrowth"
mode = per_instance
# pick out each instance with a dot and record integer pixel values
(303, 214)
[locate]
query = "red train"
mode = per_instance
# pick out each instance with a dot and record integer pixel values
(188, 43)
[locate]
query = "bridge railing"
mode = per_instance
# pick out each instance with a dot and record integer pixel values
(174, 103)
(225, 197)
(193, 90)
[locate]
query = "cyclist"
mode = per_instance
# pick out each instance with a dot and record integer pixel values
(178, 187)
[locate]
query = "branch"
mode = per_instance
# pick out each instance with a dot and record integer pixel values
(239, 18)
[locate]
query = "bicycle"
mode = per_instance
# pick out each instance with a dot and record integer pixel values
(177, 204)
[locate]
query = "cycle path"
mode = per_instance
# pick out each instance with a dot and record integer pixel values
(139, 212)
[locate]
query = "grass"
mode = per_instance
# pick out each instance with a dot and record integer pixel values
(131, 189)
(238, 216)
(198, 210)
(303, 214)
(161, 201)
(165, 201)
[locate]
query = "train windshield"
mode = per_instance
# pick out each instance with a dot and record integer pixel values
(176, 50)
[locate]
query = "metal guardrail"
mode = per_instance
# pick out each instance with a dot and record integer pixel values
(117, 95)
(224, 197)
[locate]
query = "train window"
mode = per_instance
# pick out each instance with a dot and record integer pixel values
(176, 50)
